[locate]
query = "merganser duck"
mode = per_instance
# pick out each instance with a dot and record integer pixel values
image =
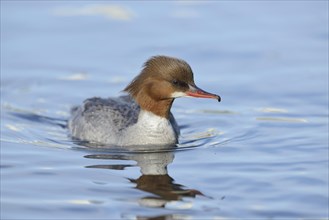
(143, 116)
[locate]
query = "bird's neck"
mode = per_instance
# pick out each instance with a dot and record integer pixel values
(157, 107)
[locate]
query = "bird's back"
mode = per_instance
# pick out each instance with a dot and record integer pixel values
(99, 119)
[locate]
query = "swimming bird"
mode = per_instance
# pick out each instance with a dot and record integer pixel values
(142, 117)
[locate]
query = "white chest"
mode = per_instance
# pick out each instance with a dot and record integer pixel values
(149, 129)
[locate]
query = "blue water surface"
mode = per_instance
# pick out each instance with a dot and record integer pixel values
(260, 153)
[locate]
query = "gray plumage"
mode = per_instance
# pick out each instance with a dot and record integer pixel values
(106, 121)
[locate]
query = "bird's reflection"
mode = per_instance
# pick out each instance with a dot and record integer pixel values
(154, 179)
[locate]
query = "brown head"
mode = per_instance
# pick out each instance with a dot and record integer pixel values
(162, 80)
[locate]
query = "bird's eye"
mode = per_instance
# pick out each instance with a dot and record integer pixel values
(178, 83)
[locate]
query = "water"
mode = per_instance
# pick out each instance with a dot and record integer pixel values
(260, 153)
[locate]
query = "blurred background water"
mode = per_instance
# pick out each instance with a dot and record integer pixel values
(260, 153)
